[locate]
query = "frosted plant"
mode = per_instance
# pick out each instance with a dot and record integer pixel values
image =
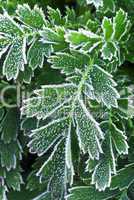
(82, 116)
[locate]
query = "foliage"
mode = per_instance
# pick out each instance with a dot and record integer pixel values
(73, 101)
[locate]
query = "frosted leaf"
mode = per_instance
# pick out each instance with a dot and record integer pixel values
(88, 132)
(32, 17)
(70, 17)
(36, 54)
(67, 62)
(103, 86)
(55, 16)
(89, 90)
(109, 51)
(107, 27)
(119, 139)
(88, 192)
(44, 137)
(106, 166)
(113, 32)
(52, 37)
(15, 59)
(124, 178)
(109, 5)
(86, 40)
(68, 157)
(74, 79)
(9, 27)
(49, 99)
(76, 38)
(54, 169)
(120, 25)
(101, 176)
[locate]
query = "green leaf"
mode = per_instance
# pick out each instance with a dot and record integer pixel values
(114, 34)
(54, 169)
(9, 27)
(9, 154)
(88, 132)
(49, 100)
(109, 5)
(68, 63)
(107, 27)
(83, 39)
(44, 137)
(34, 18)
(109, 51)
(70, 17)
(101, 176)
(103, 86)
(15, 59)
(124, 178)
(119, 139)
(120, 25)
(55, 16)
(52, 37)
(9, 129)
(14, 180)
(88, 192)
(124, 196)
(26, 76)
(36, 53)
(106, 165)
(76, 38)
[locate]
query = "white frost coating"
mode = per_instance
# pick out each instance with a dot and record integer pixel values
(111, 54)
(94, 46)
(68, 154)
(97, 3)
(4, 50)
(97, 184)
(50, 158)
(12, 21)
(46, 126)
(85, 123)
(88, 33)
(58, 86)
(91, 118)
(36, 8)
(124, 141)
(24, 52)
(41, 195)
